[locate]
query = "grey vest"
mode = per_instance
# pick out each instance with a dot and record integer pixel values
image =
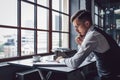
(108, 63)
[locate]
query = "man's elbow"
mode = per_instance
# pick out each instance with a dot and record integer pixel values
(73, 66)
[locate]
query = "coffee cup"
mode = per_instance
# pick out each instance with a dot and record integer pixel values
(36, 58)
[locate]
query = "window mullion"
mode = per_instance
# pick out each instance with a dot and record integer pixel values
(50, 26)
(35, 26)
(19, 28)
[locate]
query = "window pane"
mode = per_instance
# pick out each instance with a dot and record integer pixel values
(8, 43)
(27, 42)
(101, 22)
(96, 19)
(96, 9)
(8, 12)
(65, 23)
(60, 5)
(43, 2)
(101, 13)
(56, 23)
(42, 42)
(55, 40)
(65, 40)
(59, 40)
(42, 17)
(60, 22)
(56, 4)
(65, 6)
(27, 15)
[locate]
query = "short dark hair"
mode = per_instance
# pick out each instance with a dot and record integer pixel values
(82, 15)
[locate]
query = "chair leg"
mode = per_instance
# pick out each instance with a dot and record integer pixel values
(41, 75)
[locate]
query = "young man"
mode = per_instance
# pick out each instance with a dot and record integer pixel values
(91, 39)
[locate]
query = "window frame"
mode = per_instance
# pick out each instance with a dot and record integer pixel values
(100, 18)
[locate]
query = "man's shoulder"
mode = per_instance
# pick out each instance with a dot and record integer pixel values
(94, 33)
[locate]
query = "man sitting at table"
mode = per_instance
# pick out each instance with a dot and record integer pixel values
(92, 39)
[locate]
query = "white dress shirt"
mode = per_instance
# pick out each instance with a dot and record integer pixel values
(93, 41)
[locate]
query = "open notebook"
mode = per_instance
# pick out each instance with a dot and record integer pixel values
(49, 64)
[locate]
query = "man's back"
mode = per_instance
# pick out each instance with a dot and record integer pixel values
(107, 62)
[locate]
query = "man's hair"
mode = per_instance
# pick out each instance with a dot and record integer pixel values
(82, 15)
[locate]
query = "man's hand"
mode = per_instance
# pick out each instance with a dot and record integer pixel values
(58, 58)
(78, 40)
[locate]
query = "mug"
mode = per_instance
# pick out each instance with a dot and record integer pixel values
(36, 58)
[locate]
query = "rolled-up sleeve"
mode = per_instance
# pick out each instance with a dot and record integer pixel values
(88, 45)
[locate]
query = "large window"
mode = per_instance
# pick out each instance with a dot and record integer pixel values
(29, 27)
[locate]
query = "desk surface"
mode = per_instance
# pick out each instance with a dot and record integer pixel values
(30, 63)
(67, 69)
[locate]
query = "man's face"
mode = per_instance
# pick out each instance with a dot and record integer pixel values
(81, 27)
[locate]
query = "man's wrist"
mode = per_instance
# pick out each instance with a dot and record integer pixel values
(61, 60)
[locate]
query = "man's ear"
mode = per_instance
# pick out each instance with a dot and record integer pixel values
(87, 23)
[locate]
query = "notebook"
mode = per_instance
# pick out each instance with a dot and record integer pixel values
(49, 64)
